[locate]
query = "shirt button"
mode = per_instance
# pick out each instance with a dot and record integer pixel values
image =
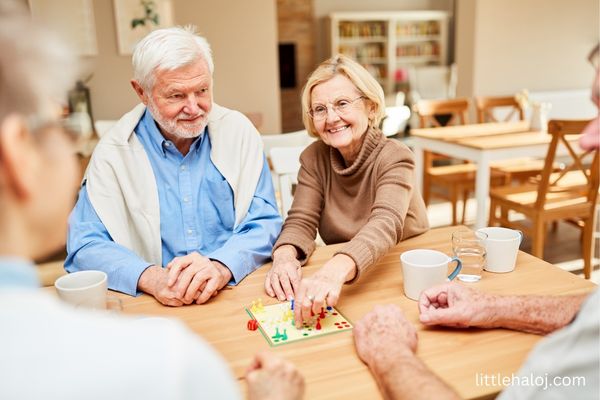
(186, 199)
(189, 231)
(183, 167)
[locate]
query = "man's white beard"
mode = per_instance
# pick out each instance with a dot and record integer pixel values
(181, 130)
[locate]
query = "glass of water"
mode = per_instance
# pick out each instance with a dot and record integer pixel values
(469, 246)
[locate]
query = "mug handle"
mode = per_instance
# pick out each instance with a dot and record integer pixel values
(457, 269)
(520, 233)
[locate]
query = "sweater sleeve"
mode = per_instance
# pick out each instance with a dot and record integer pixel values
(302, 222)
(394, 188)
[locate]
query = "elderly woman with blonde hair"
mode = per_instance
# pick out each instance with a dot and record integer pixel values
(354, 186)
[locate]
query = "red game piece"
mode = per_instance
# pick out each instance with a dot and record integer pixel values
(312, 314)
(252, 325)
(322, 315)
(318, 324)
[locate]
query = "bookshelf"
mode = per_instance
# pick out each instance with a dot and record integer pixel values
(387, 44)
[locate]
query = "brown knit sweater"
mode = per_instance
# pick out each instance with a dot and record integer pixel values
(372, 204)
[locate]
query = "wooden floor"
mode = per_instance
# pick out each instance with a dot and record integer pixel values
(561, 248)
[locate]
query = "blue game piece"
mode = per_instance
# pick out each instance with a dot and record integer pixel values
(329, 308)
(292, 304)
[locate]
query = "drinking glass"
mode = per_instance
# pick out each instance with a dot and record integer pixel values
(469, 247)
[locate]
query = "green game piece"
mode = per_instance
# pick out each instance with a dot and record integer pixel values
(305, 334)
(284, 336)
(277, 334)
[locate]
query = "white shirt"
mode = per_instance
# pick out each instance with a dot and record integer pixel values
(49, 350)
(565, 365)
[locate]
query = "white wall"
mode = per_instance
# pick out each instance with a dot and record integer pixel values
(243, 35)
(505, 46)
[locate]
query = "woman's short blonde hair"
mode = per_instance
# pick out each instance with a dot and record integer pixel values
(358, 75)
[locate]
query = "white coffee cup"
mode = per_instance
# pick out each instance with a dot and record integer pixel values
(83, 289)
(502, 247)
(424, 268)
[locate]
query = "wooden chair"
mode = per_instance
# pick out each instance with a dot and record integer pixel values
(570, 194)
(487, 108)
(457, 180)
(505, 109)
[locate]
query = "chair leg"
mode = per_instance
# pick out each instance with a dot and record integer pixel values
(588, 247)
(554, 226)
(539, 234)
(426, 189)
(464, 208)
(492, 217)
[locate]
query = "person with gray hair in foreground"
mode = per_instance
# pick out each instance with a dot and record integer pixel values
(49, 350)
(177, 200)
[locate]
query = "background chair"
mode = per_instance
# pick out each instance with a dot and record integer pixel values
(498, 109)
(432, 82)
(286, 164)
(505, 109)
(570, 194)
(456, 180)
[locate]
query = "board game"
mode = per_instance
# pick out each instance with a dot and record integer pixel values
(276, 323)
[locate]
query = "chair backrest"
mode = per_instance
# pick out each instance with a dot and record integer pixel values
(286, 164)
(498, 109)
(429, 112)
(292, 139)
(588, 171)
(432, 82)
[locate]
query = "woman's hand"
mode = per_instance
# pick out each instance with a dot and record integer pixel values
(283, 279)
(323, 288)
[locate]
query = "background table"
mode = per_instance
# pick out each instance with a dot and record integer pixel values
(330, 365)
(482, 144)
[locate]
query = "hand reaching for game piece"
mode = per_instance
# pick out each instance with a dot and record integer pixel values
(283, 279)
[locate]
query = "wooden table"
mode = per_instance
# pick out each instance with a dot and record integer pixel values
(330, 364)
(482, 144)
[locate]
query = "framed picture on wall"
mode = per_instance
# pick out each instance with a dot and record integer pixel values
(136, 18)
(73, 20)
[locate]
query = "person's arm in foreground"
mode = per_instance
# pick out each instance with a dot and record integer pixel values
(387, 342)
(270, 377)
(452, 304)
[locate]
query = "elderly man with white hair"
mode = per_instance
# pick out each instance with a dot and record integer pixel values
(177, 200)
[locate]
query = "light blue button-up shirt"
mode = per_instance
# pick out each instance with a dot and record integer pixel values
(196, 214)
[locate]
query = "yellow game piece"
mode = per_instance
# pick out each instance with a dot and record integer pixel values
(253, 308)
(259, 305)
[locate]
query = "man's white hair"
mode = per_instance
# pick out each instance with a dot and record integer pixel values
(36, 67)
(168, 49)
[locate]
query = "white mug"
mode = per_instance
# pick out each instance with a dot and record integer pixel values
(83, 289)
(423, 268)
(502, 247)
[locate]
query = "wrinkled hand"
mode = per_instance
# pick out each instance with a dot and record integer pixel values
(452, 304)
(154, 280)
(283, 279)
(323, 288)
(383, 335)
(270, 377)
(197, 278)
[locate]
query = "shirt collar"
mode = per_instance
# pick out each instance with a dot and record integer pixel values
(158, 141)
(18, 272)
